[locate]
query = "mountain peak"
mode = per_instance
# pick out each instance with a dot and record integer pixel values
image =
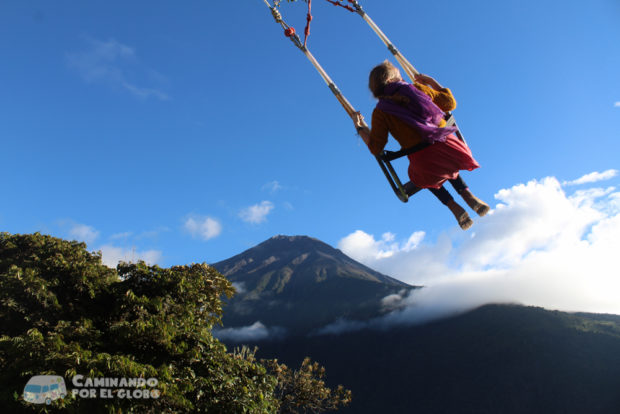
(302, 282)
(295, 242)
(289, 252)
(291, 238)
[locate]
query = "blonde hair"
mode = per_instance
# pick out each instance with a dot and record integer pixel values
(380, 76)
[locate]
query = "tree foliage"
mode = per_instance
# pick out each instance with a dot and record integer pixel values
(303, 390)
(64, 313)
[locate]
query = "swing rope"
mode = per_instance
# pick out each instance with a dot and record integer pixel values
(409, 69)
(355, 7)
(344, 6)
(308, 20)
(401, 192)
(291, 34)
(289, 31)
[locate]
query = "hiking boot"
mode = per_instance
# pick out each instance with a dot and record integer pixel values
(460, 214)
(479, 206)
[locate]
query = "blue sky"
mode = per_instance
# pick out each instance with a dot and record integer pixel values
(190, 131)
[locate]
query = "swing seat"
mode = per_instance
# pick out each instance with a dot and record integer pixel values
(402, 191)
(406, 190)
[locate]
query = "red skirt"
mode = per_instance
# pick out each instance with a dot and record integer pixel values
(432, 166)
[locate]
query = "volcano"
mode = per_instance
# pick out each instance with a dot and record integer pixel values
(299, 284)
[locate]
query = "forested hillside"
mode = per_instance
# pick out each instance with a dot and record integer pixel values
(496, 359)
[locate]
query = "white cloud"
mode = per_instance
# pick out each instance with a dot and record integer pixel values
(394, 301)
(255, 332)
(82, 232)
(111, 255)
(272, 186)
(151, 234)
(343, 326)
(239, 287)
(123, 235)
(363, 247)
(112, 62)
(593, 177)
(144, 93)
(257, 213)
(617, 104)
(203, 227)
(539, 246)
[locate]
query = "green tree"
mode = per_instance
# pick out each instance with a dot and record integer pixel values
(63, 312)
(303, 390)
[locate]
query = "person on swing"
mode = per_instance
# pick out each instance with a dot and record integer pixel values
(412, 114)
